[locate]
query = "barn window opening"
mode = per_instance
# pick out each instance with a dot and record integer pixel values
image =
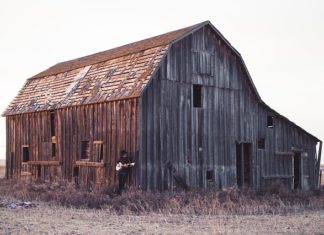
(53, 150)
(75, 171)
(209, 175)
(297, 170)
(52, 124)
(25, 154)
(85, 150)
(39, 171)
(270, 122)
(261, 143)
(197, 96)
(98, 151)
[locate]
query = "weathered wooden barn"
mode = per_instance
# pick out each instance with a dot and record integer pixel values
(182, 104)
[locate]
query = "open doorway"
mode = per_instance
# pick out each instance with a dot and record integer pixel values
(297, 170)
(243, 164)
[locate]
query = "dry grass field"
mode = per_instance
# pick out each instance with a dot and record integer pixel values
(49, 219)
(2, 168)
(61, 209)
(59, 220)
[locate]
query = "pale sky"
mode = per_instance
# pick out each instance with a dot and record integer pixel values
(282, 42)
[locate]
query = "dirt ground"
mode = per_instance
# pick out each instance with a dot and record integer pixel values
(47, 219)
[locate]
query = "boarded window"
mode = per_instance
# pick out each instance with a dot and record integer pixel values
(261, 143)
(202, 63)
(46, 150)
(85, 150)
(25, 154)
(53, 150)
(197, 96)
(270, 122)
(98, 151)
(52, 124)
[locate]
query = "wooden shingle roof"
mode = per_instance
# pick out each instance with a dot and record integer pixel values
(118, 73)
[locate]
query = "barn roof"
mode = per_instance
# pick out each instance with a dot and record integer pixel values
(119, 73)
(157, 41)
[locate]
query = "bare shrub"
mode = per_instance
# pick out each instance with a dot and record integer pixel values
(196, 201)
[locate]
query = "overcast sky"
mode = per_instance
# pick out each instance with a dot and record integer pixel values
(282, 42)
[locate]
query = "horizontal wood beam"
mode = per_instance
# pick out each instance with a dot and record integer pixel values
(91, 164)
(44, 163)
(97, 142)
(287, 154)
(296, 149)
(277, 177)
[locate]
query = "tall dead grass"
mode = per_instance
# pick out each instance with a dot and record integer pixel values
(197, 202)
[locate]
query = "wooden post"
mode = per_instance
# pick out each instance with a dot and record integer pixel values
(242, 164)
(318, 167)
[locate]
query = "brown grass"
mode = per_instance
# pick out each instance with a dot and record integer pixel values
(194, 202)
(62, 209)
(61, 220)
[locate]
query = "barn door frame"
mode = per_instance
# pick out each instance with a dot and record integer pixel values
(299, 157)
(244, 164)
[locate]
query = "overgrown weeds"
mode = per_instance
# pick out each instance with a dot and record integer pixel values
(198, 202)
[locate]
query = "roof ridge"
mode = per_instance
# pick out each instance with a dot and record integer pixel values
(130, 48)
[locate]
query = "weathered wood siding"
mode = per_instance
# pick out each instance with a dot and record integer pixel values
(173, 142)
(114, 123)
(32, 131)
(197, 140)
(283, 141)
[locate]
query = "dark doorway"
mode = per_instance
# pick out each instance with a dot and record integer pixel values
(199, 139)
(76, 171)
(39, 172)
(53, 150)
(197, 96)
(297, 171)
(85, 150)
(243, 164)
(52, 123)
(25, 154)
